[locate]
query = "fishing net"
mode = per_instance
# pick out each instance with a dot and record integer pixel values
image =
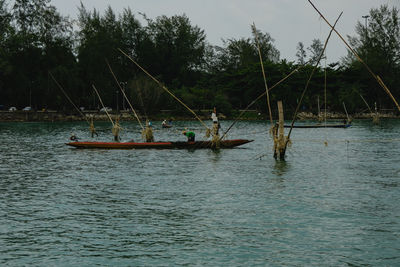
(273, 131)
(115, 130)
(216, 141)
(92, 129)
(147, 134)
(281, 142)
(375, 118)
(208, 133)
(320, 117)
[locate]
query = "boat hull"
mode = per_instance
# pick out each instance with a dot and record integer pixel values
(159, 145)
(320, 126)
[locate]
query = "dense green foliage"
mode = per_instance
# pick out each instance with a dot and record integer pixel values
(35, 40)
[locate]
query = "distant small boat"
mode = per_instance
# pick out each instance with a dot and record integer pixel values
(166, 125)
(159, 145)
(319, 126)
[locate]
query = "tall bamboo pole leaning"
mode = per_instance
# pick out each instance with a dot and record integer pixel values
(263, 72)
(259, 97)
(376, 77)
(116, 127)
(164, 88)
(347, 114)
(273, 130)
(126, 98)
(69, 99)
(309, 79)
(374, 116)
(101, 101)
(369, 108)
(91, 123)
(325, 99)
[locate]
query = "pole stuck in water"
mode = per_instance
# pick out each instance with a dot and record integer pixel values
(280, 139)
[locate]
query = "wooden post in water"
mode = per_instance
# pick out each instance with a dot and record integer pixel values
(375, 117)
(279, 135)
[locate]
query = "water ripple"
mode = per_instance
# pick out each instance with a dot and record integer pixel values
(326, 205)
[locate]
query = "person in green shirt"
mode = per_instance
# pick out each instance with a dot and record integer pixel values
(190, 135)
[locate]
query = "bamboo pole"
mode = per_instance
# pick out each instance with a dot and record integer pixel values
(69, 99)
(103, 105)
(375, 116)
(376, 77)
(347, 114)
(325, 99)
(126, 98)
(369, 108)
(263, 72)
(163, 87)
(387, 91)
(279, 135)
(309, 79)
(319, 110)
(259, 97)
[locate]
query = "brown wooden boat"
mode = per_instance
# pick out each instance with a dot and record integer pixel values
(159, 145)
(166, 125)
(319, 126)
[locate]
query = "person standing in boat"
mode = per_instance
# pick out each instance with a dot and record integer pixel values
(147, 133)
(116, 129)
(74, 138)
(190, 135)
(91, 128)
(216, 124)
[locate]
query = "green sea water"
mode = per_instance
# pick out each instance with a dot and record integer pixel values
(326, 205)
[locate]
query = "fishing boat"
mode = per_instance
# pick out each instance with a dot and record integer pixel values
(166, 125)
(319, 125)
(159, 145)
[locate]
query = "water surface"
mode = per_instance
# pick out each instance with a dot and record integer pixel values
(325, 205)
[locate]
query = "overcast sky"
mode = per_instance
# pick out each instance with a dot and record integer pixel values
(287, 21)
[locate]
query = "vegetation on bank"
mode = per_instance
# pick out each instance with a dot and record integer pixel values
(36, 40)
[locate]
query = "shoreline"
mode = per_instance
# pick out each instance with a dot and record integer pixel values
(55, 116)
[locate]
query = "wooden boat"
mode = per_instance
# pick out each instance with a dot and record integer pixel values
(319, 126)
(159, 145)
(166, 125)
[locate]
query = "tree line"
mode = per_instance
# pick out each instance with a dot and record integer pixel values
(37, 41)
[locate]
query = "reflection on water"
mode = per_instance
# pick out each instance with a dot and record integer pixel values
(280, 167)
(336, 204)
(215, 155)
